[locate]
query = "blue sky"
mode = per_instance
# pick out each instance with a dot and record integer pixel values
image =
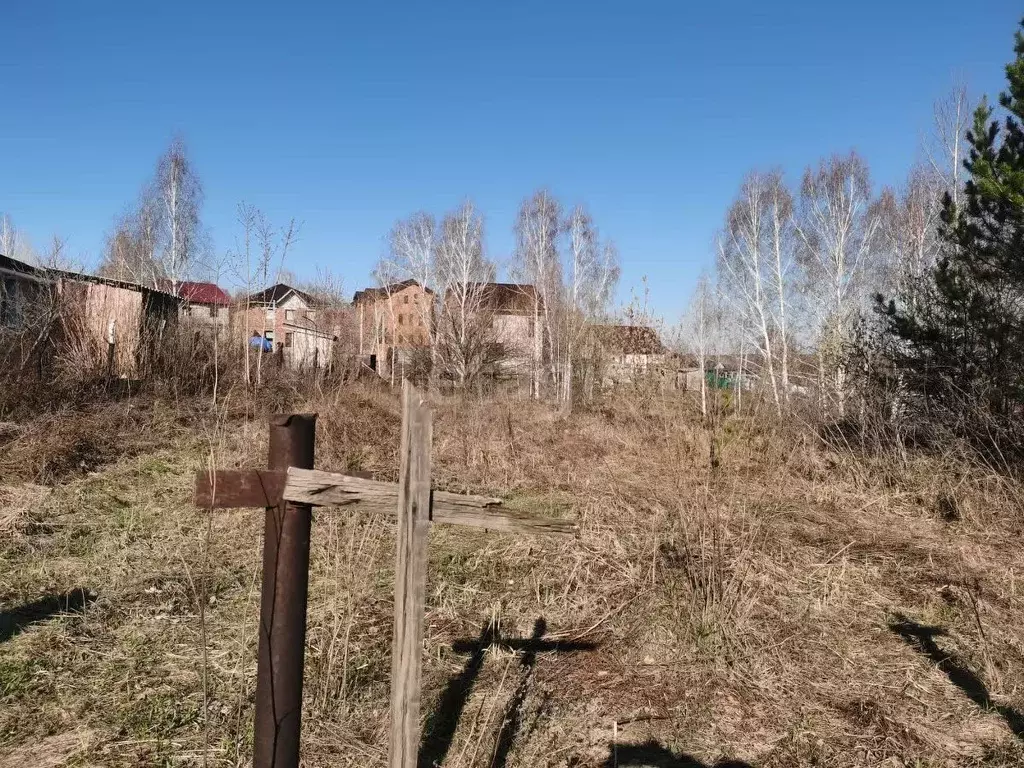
(348, 116)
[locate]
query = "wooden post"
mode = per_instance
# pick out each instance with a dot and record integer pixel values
(110, 350)
(282, 639)
(410, 578)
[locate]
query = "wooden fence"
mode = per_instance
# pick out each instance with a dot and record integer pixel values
(288, 490)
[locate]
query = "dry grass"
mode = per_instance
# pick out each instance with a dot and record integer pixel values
(798, 605)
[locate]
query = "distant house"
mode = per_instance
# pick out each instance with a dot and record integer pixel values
(513, 313)
(301, 330)
(96, 310)
(22, 287)
(203, 304)
(397, 316)
(627, 351)
(267, 311)
(307, 347)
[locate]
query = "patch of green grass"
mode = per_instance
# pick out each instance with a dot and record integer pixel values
(157, 715)
(15, 677)
(553, 503)
(155, 465)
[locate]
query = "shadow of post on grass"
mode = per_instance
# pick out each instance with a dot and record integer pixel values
(13, 621)
(442, 723)
(651, 754)
(922, 639)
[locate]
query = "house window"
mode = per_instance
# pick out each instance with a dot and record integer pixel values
(405, 299)
(310, 315)
(289, 315)
(269, 336)
(186, 311)
(288, 339)
(213, 312)
(270, 314)
(401, 319)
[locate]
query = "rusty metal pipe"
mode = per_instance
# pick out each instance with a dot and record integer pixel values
(282, 639)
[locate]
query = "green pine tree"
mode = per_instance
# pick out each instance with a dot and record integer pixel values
(965, 344)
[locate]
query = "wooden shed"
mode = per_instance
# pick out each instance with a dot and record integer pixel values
(97, 310)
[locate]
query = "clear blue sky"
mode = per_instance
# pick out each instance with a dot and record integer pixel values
(348, 116)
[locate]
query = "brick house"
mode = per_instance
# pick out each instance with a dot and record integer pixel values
(513, 312)
(627, 351)
(204, 304)
(395, 316)
(266, 312)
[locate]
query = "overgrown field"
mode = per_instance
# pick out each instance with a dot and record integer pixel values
(800, 604)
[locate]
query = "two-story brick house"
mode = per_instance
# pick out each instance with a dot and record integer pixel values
(266, 312)
(396, 316)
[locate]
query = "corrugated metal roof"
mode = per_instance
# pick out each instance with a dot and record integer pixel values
(203, 293)
(196, 292)
(20, 267)
(84, 278)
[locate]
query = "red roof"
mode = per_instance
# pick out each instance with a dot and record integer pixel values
(203, 293)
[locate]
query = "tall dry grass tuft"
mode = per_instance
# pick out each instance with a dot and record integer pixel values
(707, 560)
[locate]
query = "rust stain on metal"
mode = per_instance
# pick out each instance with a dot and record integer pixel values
(227, 489)
(282, 636)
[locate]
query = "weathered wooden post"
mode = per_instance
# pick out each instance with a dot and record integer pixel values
(288, 491)
(410, 577)
(282, 639)
(110, 350)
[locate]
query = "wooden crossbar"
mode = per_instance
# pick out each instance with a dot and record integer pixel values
(225, 489)
(288, 496)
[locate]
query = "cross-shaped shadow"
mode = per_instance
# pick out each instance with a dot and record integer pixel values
(651, 754)
(443, 721)
(922, 639)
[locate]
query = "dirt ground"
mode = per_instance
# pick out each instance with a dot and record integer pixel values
(797, 605)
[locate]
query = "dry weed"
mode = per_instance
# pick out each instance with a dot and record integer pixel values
(791, 606)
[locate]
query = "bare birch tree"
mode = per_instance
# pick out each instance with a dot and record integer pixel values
(13, 243)
(131, 252)
(837, 234)
(591, 274)
(747, 264)
(536, 261)
(261, 247)
(781, 233)
(464, 335)
(952, 116)
(385, 274)
(908, 234)
(180, 192)
(701, 323)
(412, 248)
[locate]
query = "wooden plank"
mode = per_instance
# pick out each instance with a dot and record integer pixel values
(410, 578)
(230, 488)
(311, 486)
(226, 489)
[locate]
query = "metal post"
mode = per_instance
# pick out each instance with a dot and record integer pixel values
(283, 606)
